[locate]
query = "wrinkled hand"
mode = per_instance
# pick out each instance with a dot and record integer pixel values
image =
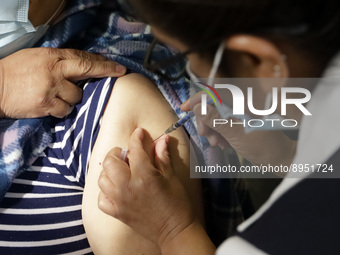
(38, 82)
(258, 147)
(148, 198)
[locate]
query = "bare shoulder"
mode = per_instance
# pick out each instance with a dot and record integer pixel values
(146, 100)
(135, 102)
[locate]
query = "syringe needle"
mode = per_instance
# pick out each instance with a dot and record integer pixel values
(180, 122)
(158, 138)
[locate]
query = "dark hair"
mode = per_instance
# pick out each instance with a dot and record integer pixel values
(311, 25)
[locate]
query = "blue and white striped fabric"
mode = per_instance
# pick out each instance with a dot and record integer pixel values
(36, 198)
(41, 213)
(98, 26)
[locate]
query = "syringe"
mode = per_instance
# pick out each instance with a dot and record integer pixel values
(178, 124)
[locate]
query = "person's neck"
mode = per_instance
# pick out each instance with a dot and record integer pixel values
(41, 11)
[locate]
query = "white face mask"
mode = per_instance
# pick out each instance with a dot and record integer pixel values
(16, 31)
(225, 110)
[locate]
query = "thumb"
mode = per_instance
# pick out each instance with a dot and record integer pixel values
(162, 156)
(136, 139)
(191, 102)
(185, 106)
(208, 119)
(138, 159)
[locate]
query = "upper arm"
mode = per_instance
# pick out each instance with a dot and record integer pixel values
(135, 102)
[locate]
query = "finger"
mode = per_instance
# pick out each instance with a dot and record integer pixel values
(218, 135)
(69, 92)
(205, 122)
(224, 131)
(107, 187)
(212, 139)
(185, 106)
(162, 156)
(202, 129)
(74, 54)
(107, 206)
(138, 159)
(80, 69)
(191, 102)
(117, 171)
(209, 118)
(57, 108)
(216, 139)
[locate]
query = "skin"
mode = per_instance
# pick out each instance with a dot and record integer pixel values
(254, 57)
(41, 11)
(44, 83)
(135, 102)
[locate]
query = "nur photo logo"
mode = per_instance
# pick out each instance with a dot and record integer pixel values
(241, 110)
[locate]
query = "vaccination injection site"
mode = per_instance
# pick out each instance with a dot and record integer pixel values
(169, 127)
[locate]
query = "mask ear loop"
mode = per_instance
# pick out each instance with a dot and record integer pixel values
(192, 76)
(216, 63)
(213, 71)
(212, 75)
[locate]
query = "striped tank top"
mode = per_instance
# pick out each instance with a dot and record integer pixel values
(41, 213)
